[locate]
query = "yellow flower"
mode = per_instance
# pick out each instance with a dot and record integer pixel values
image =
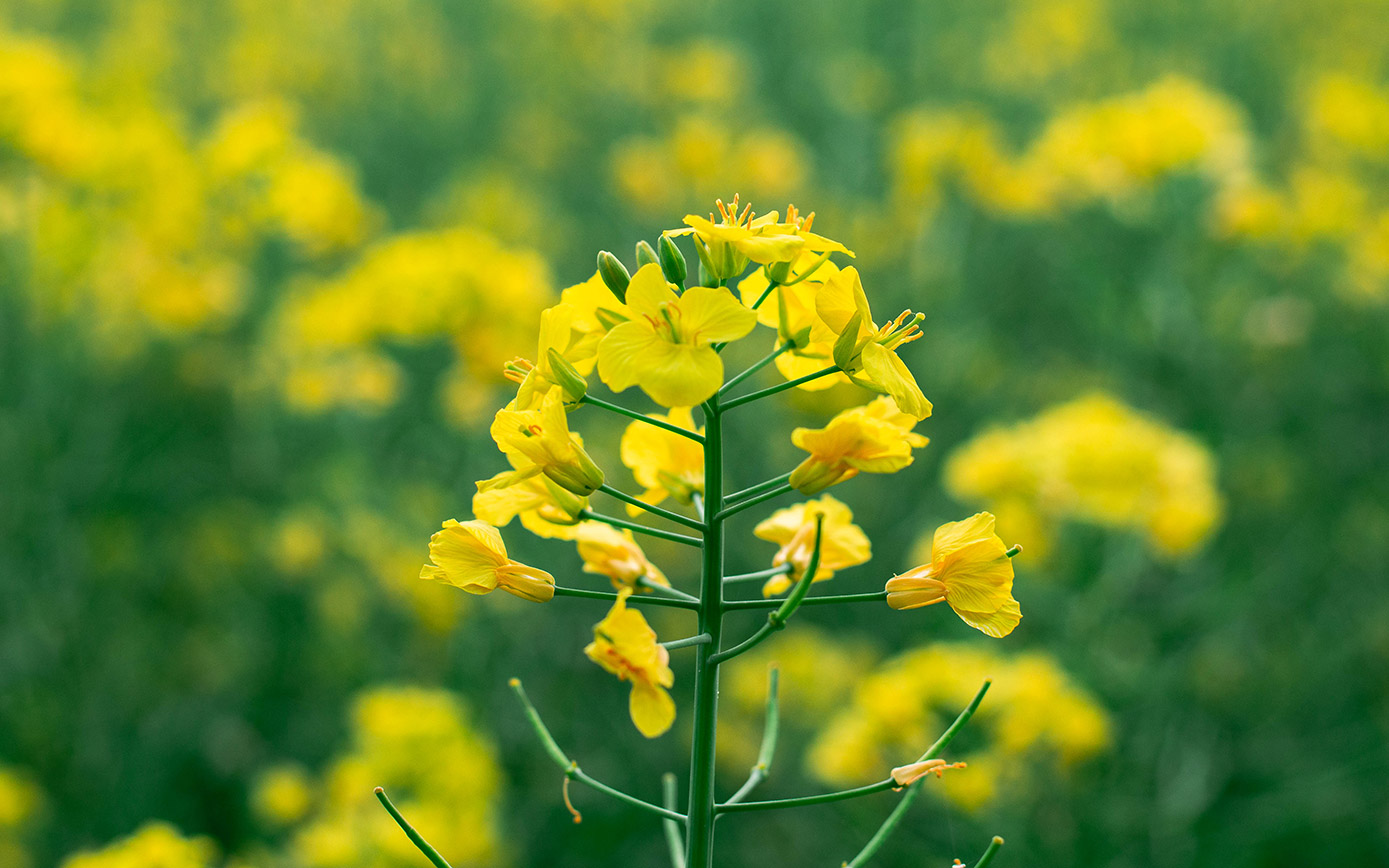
(614, 553)
(866, 352)
(662, 462)
(625, 645)
(790, 309)
(842, 543)
(665, 348)
(874, 438)
(546, 510)
(538, 441)
(596, 310)
(726, 247)
(561, 359)
(471, 555)
(969, 569)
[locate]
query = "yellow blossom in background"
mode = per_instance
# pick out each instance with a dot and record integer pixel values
(1348, 114)
(1095, 460)
(625, 645)
(665, 347)
(970, 570)
(538, 441)
(153, 845)
(545, 509)
(614, 553)
(471, 555)
(865, 351)
(282, 795)
(20, 802)
(664, 463)
(873, 438)
(418, 744)
(1043, 38)
(1034, 713)
(843, 544)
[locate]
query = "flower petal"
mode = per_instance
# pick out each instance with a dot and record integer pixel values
(714, 315)
(890, 374)
(652, 709)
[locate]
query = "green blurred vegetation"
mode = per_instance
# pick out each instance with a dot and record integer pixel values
(260, 263)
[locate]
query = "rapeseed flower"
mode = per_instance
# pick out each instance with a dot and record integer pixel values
(842, 543)
(625, 645)
(614, 553)
(665, 464)
(665, 347)
(562, 356)
(790, 309)
(471, 555)
(866, 352)
(874, 438)
(545, 509)
(970, 570)
(538, 441)
(905, 776)
(726, 247)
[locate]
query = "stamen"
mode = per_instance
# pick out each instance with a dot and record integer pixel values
(564, 790)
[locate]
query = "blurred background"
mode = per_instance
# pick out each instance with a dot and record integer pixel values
(260, 264)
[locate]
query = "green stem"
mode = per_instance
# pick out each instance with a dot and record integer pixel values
(989, 853)
(641, 528)
(760, 574)
(648, 599)
(570, 768)
(633, 414)
(872, 597)
(674, 842)
(415, 837)
(747, 503)
(777, 620)
(770, 729)
(758, 488)
(771, 285)
(701, 639)
(772, 390)
(699, 850)
(756, 366)
(665, 590)
(651, 508)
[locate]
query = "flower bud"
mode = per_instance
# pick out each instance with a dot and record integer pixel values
(672, 261)
(846, 346)
(646, 254)
(778, 272)
(614, 274)
(566, 375)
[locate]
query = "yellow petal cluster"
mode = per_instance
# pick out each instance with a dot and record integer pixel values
(664, 463)
(545, 509)
(1096, 460)
(614, 553)
(790, 309)
(970, 570)
(471, 555)
(563, 355)
(625, 645)
(665, 347)
(538, 441)
(842, 543)
(726, 247)
(874, 438)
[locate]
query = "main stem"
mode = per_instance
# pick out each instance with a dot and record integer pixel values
(699, 852)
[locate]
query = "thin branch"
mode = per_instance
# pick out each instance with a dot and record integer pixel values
(756, 366)
(989, 852)
(770, 730)
(571, 769)
(415, 837)
(701, 639)
(872, 597)
(736, 508)
(652, 508)
(648, 599)
(640, 417)
(758, 488)
(777, 620)
(641, 528)
(760, 574)
(772, 390)
(674, 836)
(697, 500)
(665, 590)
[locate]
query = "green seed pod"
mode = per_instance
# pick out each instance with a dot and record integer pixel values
(614, 274)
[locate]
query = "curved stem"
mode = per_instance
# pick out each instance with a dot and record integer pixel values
(760, 574)
(636, 599)
(872, 597)
(770, 729)
(641, 528)
(633, 414)
(772, 390)
(753, 501)
(415, 837)
(758, 488)
(777, 620)
(651, 508)
(989, 852)
(701, 639)
(674, 840)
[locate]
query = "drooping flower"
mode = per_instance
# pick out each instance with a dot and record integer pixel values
(562, 358)
(625, 645)
(905, 776)
(842, 543)
(665, 347)
(665, 464)
(471, 555)
(865, 351)
(538, 441)
(970, 570)
(614, 553)
(874, 438)
(545, 509)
